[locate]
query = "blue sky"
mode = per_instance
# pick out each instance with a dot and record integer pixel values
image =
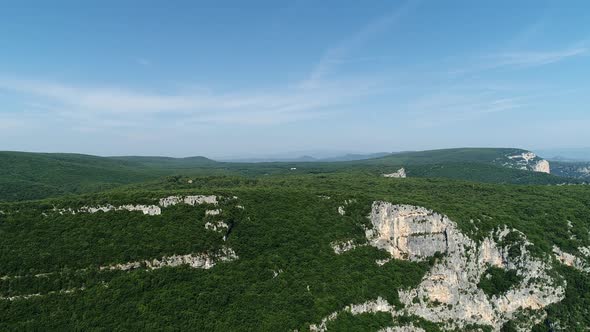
(253, 78)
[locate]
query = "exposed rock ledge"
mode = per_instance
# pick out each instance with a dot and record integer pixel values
(448, 293)
(530, 161)
(30, 296)
(217, 226)
(571, 260)
(197, 261)
(400, 173)
(190, 200)
(151, 210)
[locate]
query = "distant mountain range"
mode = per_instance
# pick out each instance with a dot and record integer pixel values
(308, 158)
(565, 154)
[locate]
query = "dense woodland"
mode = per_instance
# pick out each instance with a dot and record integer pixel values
(27, 176)
(287, 226)
(287, 275)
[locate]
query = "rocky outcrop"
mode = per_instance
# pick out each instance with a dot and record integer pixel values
(448, 294)
(374, 306)
(341, 209)
(30, 296)
(217, 226)
(405, 328)
(196, 261)
(400, 173)
(585, 251)
(190, 200)
(151, 210)
(341, 247)
(406, 232)
(542, 166)
(571, 260)
(528, 161)
(213, 212)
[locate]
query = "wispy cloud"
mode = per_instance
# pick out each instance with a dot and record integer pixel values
(519, 59)
(289, 103)
(339, 53)
(538, 58)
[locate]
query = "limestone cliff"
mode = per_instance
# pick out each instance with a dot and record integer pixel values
(449, 294)
(527, 161)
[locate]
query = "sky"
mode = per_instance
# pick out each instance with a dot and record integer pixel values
(255, 78)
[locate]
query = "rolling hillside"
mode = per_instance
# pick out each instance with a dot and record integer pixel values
(40, 175)
(299, 252)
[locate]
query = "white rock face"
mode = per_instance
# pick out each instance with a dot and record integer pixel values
(197, 261)
(218, 226)
(405, 328)
(213, 212)
(190, 200)
(400, 173)
(571, 260)
(542, 166)
(151, 210)
(448, 293)
(530, 161)
(378, 305)
(406, 232)
(341, 210)
(527, 156)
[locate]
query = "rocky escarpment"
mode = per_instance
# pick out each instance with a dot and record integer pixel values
(196, 261)
(571, 260)
(151, 210)
(449, 294)
(528, 161)
(201, 260)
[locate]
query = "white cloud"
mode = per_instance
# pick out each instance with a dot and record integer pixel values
(285, 104)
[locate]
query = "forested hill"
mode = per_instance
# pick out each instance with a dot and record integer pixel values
(498, 156)
(39, 175)
(285, 253)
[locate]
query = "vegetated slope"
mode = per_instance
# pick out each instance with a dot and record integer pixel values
(286, 274)
(168, 162)
(38, 175)
(479, 172)
(507, 157)
(576, 170)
